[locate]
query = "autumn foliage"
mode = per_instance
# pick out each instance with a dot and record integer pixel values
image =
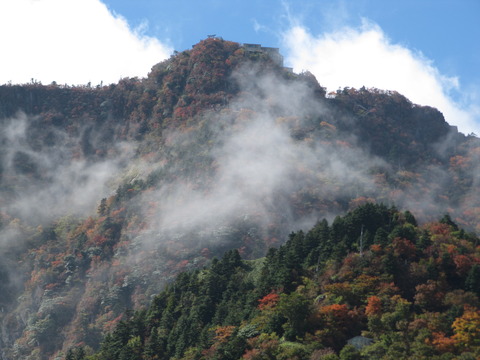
(110, 281)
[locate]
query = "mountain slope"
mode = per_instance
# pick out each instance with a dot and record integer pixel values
(218, 148)
(409, 292)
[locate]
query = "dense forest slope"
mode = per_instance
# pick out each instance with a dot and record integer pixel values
(372, 285)
(107, 193)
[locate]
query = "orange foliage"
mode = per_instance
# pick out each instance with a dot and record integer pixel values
(463, 264)
(119, 211)
(328, 126)
(335, 310)
(376, 248)
(374, 306)
(337, 323)
(429, 296)
(57, 263)
(222, 333)
(252, 354)
(404, 247)
(439, 229)
(109, 326)
(51, 286)
(268, 301)
(452, 249)
(459, 162)
(442, 343)
(181, 265)
(262, 347)
(99, 240)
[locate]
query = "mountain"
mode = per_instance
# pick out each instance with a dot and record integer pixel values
(108, 193)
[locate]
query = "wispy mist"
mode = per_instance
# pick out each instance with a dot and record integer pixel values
(275, 159)
(44, 178)
(263, 170)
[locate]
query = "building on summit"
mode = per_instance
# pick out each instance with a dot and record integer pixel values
(273, 53)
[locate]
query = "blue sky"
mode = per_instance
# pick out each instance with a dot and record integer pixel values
(428, 50)
(445, 31)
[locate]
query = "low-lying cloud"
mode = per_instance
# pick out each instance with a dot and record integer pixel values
(261, 172)
(72, 42)
(43, 181)
(365, 56)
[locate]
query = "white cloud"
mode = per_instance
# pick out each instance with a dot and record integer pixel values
(366, 57)
(73, 42)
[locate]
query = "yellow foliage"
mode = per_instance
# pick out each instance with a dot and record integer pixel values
(467, 328)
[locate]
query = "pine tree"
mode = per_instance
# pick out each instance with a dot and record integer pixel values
(472, 282)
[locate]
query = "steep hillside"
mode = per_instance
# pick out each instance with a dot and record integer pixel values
(107, 193)
(372, 285)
